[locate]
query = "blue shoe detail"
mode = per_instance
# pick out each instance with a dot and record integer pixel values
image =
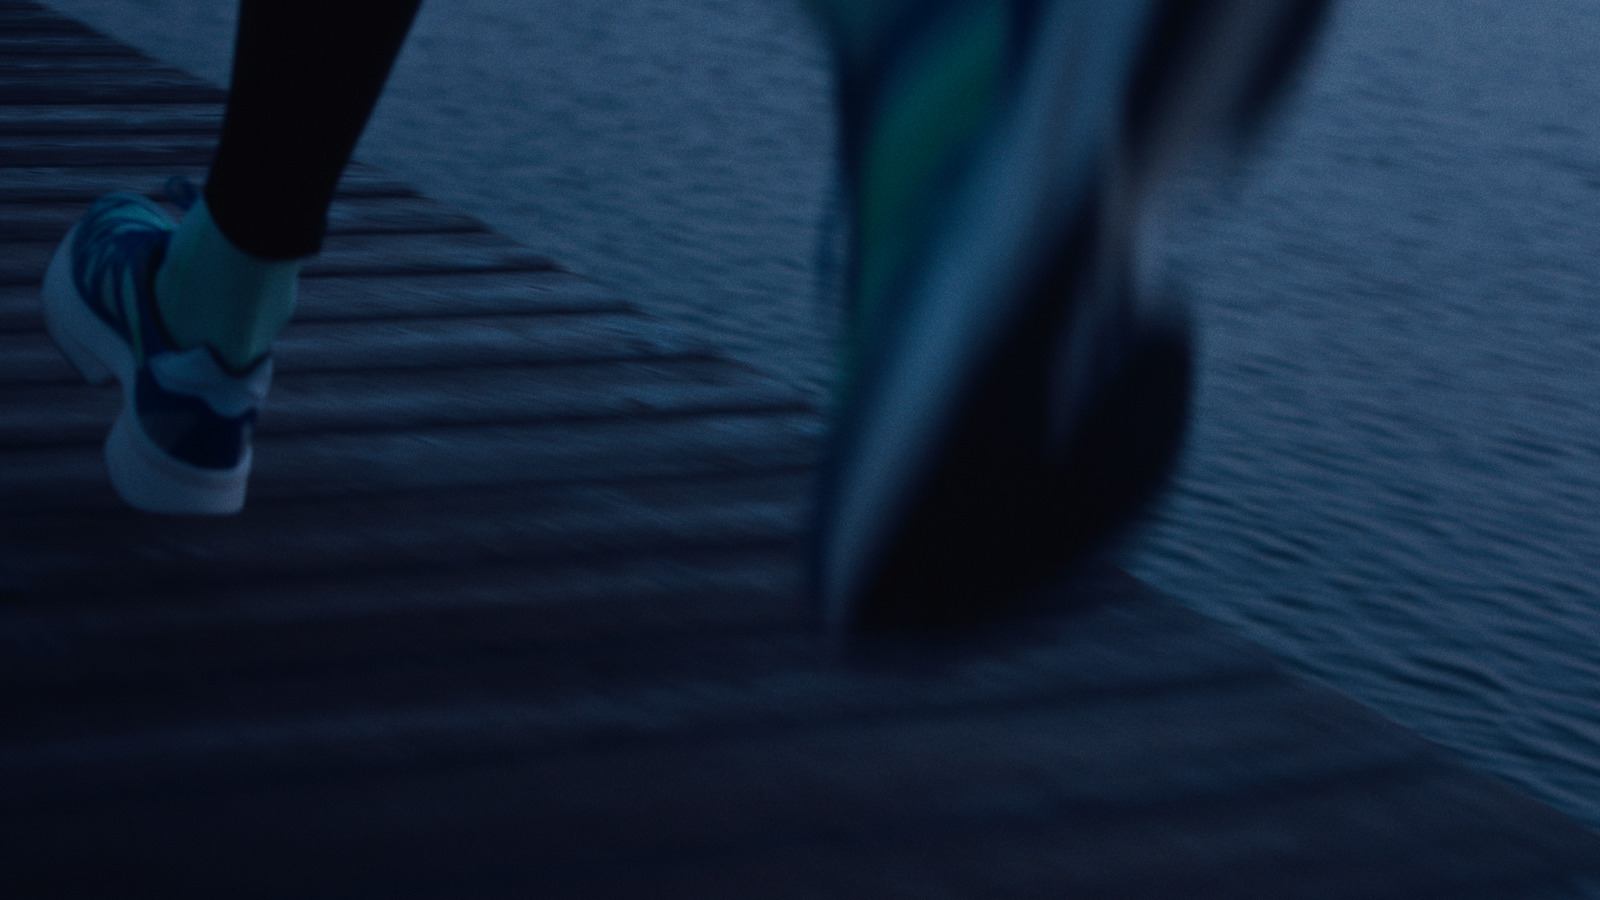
(182, 443)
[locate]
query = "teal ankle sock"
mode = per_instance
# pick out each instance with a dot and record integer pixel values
(211, 292)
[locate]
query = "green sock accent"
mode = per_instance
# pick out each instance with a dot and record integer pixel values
(210, 292)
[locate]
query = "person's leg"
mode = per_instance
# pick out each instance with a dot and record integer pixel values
(306, 76)
(1007, 404)
(183, 315)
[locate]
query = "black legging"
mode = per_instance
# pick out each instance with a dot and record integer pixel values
(306, 75)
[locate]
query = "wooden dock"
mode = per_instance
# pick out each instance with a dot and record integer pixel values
(515, 610)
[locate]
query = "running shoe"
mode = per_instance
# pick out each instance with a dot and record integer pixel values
(182, 442)
(1009, 401)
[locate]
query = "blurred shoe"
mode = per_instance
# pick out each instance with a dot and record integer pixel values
(1008, 405)
(1214, 71)
(182, 442)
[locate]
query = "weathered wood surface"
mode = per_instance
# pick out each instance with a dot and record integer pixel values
(516, 609)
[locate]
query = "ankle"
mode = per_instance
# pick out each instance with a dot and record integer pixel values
(211, 292)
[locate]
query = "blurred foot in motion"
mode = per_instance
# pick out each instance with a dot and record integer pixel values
(1009, 402)
(183, 315)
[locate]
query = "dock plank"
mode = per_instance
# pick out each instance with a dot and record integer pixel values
(438, 294)
(25, 222)
(104, 123)
(345, 254)
(17, 40)
(56, 183)
(358, 401)
(399, 343)
(367, 252)
(95, 88)
(418, 457)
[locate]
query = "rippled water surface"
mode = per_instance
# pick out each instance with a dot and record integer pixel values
(1395, 469)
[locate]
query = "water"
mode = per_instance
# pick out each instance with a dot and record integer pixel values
(1396, 458)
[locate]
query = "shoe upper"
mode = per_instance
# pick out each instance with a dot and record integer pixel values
(188, 404)
(994, 341)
